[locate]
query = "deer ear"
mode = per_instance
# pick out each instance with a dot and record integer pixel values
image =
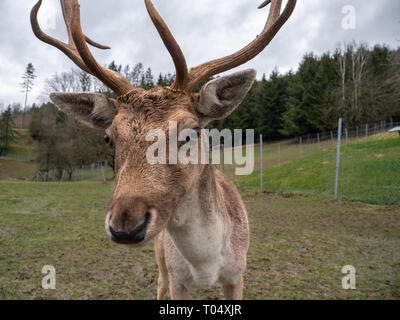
(220, 97)
(94, 110)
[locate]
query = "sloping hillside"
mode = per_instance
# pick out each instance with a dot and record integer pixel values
(19, 163)
(369, 172)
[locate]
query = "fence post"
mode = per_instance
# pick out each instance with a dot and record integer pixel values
(347, 136)
(301, 146)
(104, 171)
(366, 130)
(338, 158)
(261, 163)
(357, 132)
(333, 140)
(319, 148)
(279, 153)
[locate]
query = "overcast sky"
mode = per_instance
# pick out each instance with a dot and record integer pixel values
(205, 29)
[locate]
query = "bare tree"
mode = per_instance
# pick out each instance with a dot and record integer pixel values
(359, 58)
(136, 75)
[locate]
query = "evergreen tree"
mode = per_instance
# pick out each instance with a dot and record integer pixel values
(27, 84)
(161, 81)
(148, 79)
(7, 131)
(113, 66)
(169, 79)
(273, 105)
(312, 100)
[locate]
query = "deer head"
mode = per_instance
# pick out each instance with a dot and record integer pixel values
(145, 196)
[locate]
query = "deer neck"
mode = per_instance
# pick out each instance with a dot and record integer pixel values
(198, 228)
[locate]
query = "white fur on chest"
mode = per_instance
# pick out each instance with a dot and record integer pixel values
(201, 240)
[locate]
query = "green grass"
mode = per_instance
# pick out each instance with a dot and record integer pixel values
(23, 149)
(10, 169)
(369, 171)
(19, 163)
(298, 246)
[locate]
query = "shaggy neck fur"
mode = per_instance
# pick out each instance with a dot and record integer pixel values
(199, 228)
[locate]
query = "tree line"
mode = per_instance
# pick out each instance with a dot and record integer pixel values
(7, 131)
(358, 83)
(65, 144)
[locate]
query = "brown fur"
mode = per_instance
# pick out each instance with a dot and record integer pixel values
(196, 214)
(139, 186)
(158, 186)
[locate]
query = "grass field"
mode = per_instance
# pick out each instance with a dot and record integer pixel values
(298, 246)
(369, 170)
(300, 239)
(23, 149)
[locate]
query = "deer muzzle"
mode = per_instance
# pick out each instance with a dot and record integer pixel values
(133, 236)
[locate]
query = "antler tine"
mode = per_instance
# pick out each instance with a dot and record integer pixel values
(66, 6)
(96, 44)
(110, 78)
(171, 44)
(77, 49)
(274, 23)
(274, 12)
(67, 49)
(264, 4)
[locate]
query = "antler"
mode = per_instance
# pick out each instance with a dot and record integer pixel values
(171, 44)
(77, 49)
(188, 80)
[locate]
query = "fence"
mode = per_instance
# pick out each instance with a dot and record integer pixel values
(369, 165)
(94, 172)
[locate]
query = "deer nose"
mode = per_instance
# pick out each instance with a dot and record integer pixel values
(132, 236)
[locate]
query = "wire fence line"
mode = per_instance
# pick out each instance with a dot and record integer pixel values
(357, 132)
(98, 171)
(369, 171)
(369, 167)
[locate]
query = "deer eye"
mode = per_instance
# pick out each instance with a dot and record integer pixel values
(194, 135)
(107, 138)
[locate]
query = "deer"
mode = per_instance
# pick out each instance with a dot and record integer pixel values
(194, 213)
